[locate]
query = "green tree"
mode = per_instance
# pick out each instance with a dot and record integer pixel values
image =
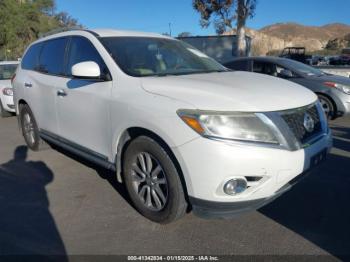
(222, 13)
(65, 20)
(23, 21)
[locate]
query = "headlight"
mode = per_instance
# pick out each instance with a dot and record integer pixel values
(344, 88)
(7, 91)
(249, 127)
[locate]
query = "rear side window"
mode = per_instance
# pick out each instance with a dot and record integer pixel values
(30, 59)
(239, 65)
(82, 50)
(51, 59)
(258, 67)
(265, 68)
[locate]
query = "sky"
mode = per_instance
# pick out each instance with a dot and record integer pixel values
(155, 15)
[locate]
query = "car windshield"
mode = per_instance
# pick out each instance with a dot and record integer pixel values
(304, 69)
(7, 71)
(150, 56)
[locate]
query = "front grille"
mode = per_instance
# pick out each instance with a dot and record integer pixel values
(295, 121)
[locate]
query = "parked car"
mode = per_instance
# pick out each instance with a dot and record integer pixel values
(7, 70)
(315, 60)
(180, 130)
(345, 59)
(333, 91)
(338, 60)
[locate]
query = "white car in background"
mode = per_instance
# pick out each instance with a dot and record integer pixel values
(179, 129)
(7, 71)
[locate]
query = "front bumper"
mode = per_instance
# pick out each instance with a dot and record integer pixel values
(342, 102)
(208, 164)
(210, 209)
(346, 108)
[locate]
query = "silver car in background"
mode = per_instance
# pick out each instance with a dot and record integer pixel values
(333, 91)
(7, 71)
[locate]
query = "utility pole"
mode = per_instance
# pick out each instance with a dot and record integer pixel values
(170, 29)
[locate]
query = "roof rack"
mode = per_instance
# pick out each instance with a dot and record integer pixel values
(60, 30)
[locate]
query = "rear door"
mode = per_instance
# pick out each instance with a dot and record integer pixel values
(50, 71)
(83, 105)
(44, 70)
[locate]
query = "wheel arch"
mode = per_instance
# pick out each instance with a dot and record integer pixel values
(332, 101)
(133, 132)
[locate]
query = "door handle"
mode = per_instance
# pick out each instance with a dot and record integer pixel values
(61, 93)
(28, 85)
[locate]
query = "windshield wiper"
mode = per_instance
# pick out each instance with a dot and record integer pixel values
(212, 71)
(189, 73)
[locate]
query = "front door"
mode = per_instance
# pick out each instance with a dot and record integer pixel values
(83, 105)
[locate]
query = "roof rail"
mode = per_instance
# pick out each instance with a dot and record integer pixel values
(60, 30)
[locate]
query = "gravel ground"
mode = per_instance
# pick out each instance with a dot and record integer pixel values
(54, 204)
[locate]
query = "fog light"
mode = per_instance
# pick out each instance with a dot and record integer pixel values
(235, 186)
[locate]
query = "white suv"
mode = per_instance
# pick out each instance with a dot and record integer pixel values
(180, 130)
(7, 71)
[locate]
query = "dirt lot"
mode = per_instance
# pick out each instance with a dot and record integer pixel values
(54, 204)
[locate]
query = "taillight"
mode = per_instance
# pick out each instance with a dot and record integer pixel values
(330, 84)
(7, 91)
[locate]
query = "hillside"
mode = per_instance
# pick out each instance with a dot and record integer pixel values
(278, 36)
(289, 31)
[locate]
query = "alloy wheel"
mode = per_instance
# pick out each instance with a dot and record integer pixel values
(28, 128)
(149, 181)
(326, 107)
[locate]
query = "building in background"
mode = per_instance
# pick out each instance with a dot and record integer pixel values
(222, 48)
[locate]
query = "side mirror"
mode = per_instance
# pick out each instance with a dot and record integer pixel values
(86, 70)
(285, 73)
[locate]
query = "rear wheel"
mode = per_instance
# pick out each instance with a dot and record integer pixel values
(30, 129)
(153, 181)
(3, 112)
(328, 106)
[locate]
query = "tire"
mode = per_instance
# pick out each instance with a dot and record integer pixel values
(328, 106)
(143, 182)
(29, 128)
(3, 112)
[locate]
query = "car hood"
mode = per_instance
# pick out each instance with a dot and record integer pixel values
(231, 91)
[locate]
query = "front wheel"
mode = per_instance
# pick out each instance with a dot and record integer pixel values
(328, 106)
(153, 182)
(29, 128)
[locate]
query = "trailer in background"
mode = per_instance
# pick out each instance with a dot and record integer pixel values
(222, 48)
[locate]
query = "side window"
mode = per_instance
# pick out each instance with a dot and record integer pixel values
(258, 67)
(51, 59)
(270, 69)
(30, 59)
(238, 65)
(265, 68)
(284, 72)
(82, 50)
